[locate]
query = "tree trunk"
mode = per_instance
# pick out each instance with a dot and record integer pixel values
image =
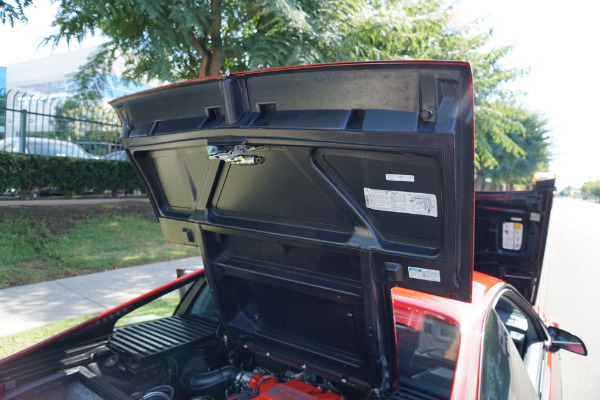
(479, 181)
(216, 62)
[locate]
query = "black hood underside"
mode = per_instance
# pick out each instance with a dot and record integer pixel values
(311, 191)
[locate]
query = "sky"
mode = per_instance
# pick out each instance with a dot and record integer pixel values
(555, 40)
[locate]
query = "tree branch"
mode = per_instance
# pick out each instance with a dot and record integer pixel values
(191, 61)
(191, 71)
(241, 21)
(203, 50)
(205, 66)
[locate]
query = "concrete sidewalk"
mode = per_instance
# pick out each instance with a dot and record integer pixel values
(31, 306)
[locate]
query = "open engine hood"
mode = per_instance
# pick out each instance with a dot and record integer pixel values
(311, 191)
(510, 234)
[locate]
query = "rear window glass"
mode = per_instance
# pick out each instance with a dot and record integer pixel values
(427, 351)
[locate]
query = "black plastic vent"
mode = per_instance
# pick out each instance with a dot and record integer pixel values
(149, 339)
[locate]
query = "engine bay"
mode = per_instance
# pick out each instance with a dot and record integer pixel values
(205, 370)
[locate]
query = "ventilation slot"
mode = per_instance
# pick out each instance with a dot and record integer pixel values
(157, 337)
(267, 110)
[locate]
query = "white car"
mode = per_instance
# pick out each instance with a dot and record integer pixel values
(45, 147)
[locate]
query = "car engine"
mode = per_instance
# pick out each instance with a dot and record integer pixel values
(199, 371)
(204, 373)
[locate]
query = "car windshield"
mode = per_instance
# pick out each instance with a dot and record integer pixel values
(427, 351)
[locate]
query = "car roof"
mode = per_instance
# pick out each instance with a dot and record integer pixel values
(36, 139)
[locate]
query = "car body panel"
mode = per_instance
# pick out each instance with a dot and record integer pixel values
(511, 235)
(554, 384)
(45, 147)
(119, 155)
(469, 317)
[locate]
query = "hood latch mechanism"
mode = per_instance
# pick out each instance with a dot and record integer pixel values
(234, 154)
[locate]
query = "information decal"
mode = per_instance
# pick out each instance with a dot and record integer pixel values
(424, 274)
(512, 235)
(399, 178)
(401, 202)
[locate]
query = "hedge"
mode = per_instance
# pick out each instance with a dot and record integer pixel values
(26, 172)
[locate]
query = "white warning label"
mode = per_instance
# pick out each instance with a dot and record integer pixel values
(512, 235)
(401, 202)
(400, 178)
(424, 274)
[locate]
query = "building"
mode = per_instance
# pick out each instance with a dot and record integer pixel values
(36, 107)
(53, 76)
(45, 83)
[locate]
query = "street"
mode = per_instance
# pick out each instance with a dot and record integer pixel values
(569, 290)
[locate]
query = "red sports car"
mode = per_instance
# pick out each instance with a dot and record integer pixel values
(334, 209)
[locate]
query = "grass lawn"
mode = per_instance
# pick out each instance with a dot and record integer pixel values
(40, 243)
(161, 307)
(12, 343)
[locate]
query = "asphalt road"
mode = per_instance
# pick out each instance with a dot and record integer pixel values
(570, 290)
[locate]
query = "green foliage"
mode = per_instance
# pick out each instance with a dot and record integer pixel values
(92, 126)
(162, 307)
(426, 29)
(525, 131)
(591, 188)
(11, 11)
(186, 39)
(72, 175)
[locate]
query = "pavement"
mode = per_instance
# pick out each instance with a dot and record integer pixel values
(31, 306)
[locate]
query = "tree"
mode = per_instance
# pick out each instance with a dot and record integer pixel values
(591, 188)
(531, 136)
(13, 11)
(425, 30)
(90, 125)
(186, 39)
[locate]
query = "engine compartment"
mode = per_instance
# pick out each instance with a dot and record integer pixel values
(207, 370)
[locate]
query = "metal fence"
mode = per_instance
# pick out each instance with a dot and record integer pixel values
(57, 126)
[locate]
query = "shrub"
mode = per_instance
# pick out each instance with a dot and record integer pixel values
(26, 172)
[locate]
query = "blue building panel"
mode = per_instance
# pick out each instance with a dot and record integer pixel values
(118, 87)
(3, 79)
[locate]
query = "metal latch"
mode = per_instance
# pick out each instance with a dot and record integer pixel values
(234, 154)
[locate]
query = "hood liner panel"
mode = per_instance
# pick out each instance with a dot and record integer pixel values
(366, 182)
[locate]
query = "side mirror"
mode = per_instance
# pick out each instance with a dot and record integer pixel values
(564, 340)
